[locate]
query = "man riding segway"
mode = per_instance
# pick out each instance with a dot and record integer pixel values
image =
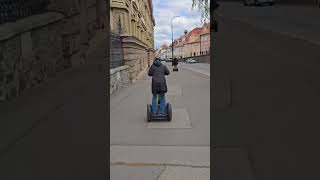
(175, 63)
(158, 71)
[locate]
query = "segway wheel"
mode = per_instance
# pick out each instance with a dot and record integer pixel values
(149, 112)
(169, 111)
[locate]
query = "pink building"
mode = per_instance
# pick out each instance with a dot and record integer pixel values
(193, 43)
(205, 39)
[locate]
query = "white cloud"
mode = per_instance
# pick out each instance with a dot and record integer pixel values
(164, 10)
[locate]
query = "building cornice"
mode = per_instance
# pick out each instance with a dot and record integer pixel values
(119, 5)
(135, 40)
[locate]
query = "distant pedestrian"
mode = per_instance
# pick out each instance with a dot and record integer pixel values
(175, 62)
(158, 71)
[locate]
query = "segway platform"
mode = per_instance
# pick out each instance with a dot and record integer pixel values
(158, 116)
(175, 69)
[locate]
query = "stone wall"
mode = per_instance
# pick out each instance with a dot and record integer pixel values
(137, 57)
(116, 51)
(203, 59)
(119, 78)
(30, 52)
(34, 48)
(137, 61)
(83, 18)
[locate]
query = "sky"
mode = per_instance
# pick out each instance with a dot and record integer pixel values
(164, 10)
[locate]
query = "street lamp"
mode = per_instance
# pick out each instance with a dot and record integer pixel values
(172, 35)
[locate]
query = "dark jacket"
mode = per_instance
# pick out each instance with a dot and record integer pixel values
(175, 62)
(158, 72)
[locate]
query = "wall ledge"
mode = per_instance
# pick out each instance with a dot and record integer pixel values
(11, 29)
(118, 69)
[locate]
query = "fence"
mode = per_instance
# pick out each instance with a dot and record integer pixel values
(116, 51)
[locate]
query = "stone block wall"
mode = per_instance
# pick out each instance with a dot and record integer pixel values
(119, 78)
(203, 59)
(34, 48)
(137, 56)
(30, 54)
(116, 51)
(137, 61)
(83, 18)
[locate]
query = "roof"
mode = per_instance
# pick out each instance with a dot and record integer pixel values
(164, 46)
(194, 31)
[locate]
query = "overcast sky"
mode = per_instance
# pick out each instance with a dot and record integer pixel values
(164, 10)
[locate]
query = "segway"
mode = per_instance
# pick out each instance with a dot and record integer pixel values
(175, 68)
(159, 117)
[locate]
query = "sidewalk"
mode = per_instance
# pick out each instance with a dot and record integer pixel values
(176, 150)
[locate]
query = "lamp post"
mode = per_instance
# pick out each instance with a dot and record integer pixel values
(172, 36)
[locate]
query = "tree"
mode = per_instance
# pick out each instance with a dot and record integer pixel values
(203, 7)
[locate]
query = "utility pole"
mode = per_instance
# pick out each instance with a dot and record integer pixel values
(172, 36)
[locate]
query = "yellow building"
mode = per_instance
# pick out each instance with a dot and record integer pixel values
(134, 22)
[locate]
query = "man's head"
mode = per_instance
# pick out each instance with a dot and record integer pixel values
(157, 62)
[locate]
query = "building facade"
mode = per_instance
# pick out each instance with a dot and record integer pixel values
(205, 40)
(191, 44)
(133, 21)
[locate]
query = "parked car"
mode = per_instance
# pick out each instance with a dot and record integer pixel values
(191, 61)
(258, 2)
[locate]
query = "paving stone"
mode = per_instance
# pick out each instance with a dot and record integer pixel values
(174, 90)
(120, 172)
(185, 173)
(198, 156)
(180, 119)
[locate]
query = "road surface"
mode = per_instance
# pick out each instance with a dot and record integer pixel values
(266, 71)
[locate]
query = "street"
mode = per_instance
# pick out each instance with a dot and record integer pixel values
(202, 68)
(301, 22)
(266, 98)
(166, 150)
